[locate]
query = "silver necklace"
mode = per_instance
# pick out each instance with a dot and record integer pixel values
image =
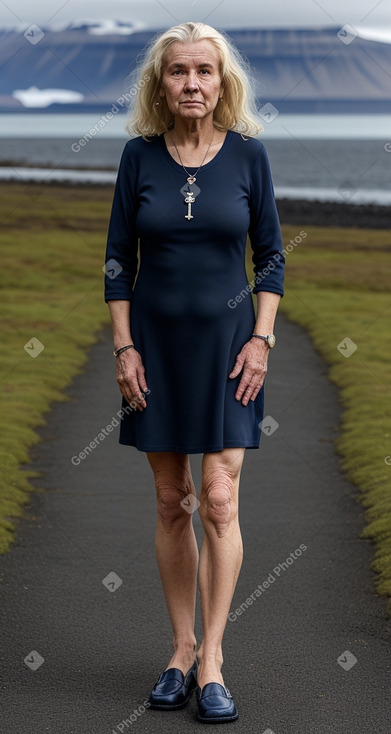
(191, 179)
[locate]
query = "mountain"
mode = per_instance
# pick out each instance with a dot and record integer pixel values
(82, 67)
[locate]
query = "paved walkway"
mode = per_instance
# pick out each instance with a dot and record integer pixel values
(102, 649)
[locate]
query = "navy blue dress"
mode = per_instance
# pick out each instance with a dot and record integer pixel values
(191, 304)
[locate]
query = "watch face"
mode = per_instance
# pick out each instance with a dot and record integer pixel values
(271, 340)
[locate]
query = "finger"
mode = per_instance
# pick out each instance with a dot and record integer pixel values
(139, 397)
(141, 379)
(257, 389)
(136, 402)
(247, 395)
(255, 392)
(123, 385)
(131, 391)
(127, 394)
(237, 368)
(252, 386)
(140, 401)
(243, 384)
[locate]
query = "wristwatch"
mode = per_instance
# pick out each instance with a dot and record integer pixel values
(270, 339)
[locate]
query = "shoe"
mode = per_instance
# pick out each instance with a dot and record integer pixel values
(215, 704)
(172, 689)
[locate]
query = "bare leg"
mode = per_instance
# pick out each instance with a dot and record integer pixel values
(176, 551)
(221, 555)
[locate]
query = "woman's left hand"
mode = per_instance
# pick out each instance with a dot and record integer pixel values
(252, 358)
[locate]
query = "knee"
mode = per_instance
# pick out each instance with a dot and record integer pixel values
(218, 508)
(171, 498)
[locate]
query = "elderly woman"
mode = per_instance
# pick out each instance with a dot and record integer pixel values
(191, 357)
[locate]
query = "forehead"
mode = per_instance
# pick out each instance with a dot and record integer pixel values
(191, 53)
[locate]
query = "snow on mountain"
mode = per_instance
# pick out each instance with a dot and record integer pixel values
(96, 26)
(34, 97)
(381, 35)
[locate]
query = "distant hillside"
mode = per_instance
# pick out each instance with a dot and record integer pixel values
(82, 67)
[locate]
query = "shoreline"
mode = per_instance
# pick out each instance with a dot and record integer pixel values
(291, 211)
(333, 214)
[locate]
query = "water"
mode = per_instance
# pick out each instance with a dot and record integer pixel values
(326, 127)
(325, 157)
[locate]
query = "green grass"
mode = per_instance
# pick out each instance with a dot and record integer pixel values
(52, 248)
(338, 286)
(52, 251)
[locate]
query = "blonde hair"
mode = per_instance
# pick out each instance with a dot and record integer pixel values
(237, 111)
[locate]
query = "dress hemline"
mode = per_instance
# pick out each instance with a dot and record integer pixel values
(198, 450)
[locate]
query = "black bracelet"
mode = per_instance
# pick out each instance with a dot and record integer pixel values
(119, 351)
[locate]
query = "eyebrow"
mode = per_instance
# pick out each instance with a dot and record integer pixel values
(181, 65)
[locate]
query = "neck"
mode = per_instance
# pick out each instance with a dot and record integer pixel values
(193, 133)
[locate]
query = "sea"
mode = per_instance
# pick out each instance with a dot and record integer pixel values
(322, 157)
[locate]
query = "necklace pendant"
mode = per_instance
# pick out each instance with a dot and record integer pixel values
(190, 199)
(191, 180)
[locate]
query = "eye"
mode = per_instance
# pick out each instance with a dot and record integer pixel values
(206, 71)
(177, 71)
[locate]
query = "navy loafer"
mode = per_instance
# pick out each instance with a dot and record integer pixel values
(172, 689)
(215, 704)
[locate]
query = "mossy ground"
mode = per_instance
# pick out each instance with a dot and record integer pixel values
(52, 252)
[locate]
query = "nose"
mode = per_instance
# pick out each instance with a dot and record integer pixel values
(191, 84)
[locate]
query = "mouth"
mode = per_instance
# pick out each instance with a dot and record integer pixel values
(191, 102)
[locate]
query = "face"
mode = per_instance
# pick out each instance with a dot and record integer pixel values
(191, 80)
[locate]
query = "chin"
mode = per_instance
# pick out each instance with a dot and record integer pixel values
(196, 113)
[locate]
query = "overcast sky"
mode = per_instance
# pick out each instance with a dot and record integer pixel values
(221, 13)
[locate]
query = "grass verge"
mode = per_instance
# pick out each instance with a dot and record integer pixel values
(52, 248)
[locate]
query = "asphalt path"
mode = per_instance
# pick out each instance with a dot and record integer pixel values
(84, 627)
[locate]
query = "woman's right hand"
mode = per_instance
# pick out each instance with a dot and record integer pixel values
(131, 378)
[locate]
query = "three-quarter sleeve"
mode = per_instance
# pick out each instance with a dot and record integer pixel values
(264, 231)
(122, 241)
